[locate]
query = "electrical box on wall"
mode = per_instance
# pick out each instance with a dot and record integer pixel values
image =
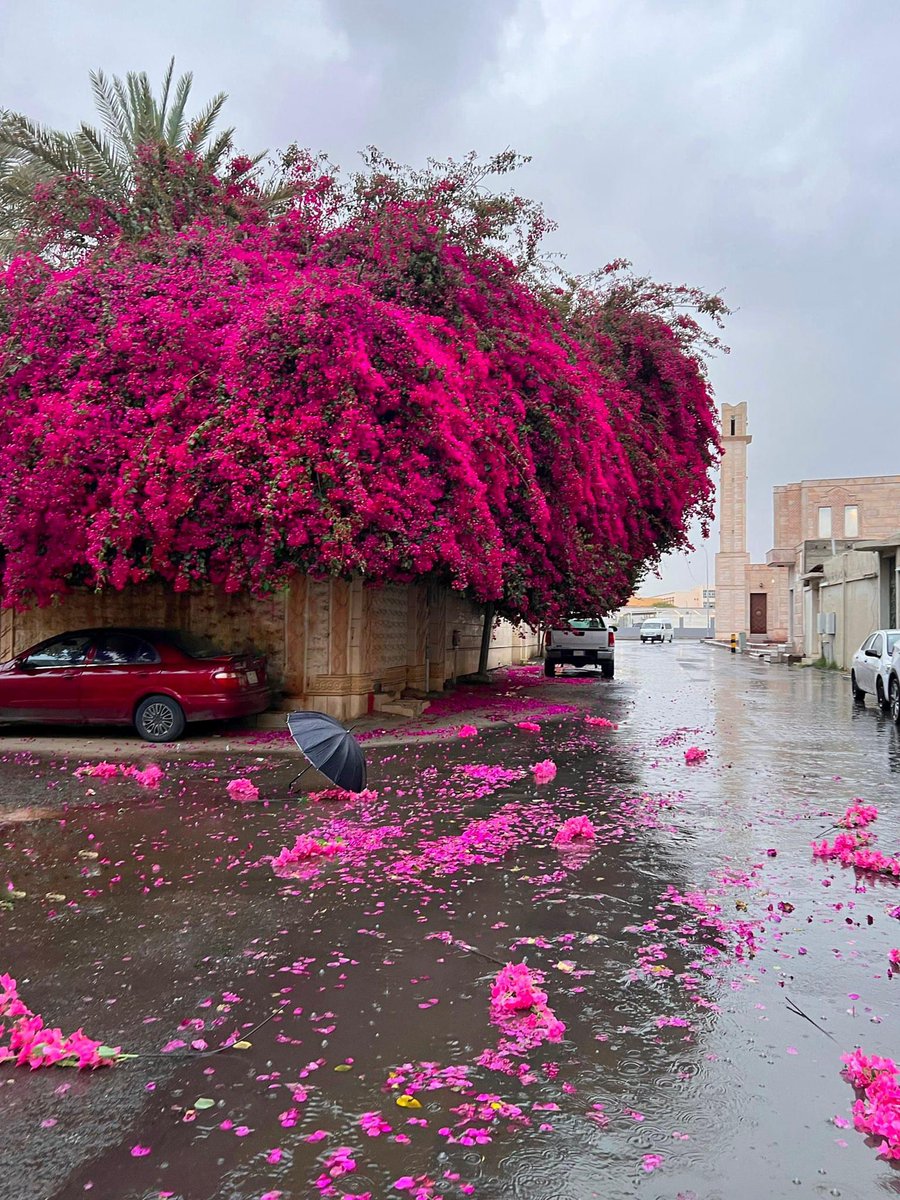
(826, 622)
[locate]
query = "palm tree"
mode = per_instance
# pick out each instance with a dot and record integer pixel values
(140, 135)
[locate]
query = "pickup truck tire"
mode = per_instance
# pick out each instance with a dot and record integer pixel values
(608, 669)
(549, 668)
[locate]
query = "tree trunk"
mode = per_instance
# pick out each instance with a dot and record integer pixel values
(486, 640)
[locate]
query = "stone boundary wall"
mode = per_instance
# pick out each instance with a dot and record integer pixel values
(331, 644)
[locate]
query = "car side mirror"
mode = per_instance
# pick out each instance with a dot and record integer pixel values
(873, 654)
(614, 628)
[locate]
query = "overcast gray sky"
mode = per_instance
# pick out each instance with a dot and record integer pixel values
(744, 145)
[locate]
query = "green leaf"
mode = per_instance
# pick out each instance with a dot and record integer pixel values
(204, 1102)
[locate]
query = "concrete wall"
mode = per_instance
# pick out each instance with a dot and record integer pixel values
(332, 644)
(850, 589)
(237, 622)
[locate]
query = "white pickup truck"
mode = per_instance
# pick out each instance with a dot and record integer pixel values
(581, 642)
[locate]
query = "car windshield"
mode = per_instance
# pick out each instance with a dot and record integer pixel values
(586, 623)
(195, 645)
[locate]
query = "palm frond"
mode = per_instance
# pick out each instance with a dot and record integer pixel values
(124, 101)
(201, 126)
(103, 159)
(174, 127)
(143, 108)
(166, 84)
(108, 103)
(56, 152)
(213, 156)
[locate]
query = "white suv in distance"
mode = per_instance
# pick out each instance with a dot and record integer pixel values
(657, 631)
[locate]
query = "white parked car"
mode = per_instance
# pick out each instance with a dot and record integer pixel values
(657, 630)
(870, 671)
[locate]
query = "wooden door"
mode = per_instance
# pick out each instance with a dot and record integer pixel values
(758, 612)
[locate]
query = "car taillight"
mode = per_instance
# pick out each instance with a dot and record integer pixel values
(548, 639)
(225, 675)
(612, 638)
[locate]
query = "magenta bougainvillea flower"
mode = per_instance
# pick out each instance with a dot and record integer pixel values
(544, 771)
(854, 846)
(242, 789)
(26, 1041)
(342, 388)
(575, 829)
(877, 1110)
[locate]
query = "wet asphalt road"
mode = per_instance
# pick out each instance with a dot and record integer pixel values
(138, 915)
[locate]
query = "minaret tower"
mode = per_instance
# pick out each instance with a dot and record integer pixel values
(732, 560)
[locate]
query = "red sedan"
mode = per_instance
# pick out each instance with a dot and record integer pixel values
(154, 679)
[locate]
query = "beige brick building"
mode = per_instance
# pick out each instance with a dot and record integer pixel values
(813, 521)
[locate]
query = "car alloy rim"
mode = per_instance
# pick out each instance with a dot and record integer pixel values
(158, 719)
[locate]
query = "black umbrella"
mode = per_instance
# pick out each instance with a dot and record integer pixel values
(330, 748)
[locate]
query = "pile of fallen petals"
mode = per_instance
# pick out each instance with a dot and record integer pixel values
(304, 848)
(694, 755)
(27, 1042)
(483, 841)
(544, 771)
(858, 815)
(854, 847)
(368, 796)
(242, 789)
(877, 1111)
(575, 829)
(493, 776)
(148, 777)
(600, 723)
(519, 1007)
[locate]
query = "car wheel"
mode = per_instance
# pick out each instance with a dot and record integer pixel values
(895, 700)
(608, 669)
(549, 668)
(882, 699)
(858, 694)
(159, 719)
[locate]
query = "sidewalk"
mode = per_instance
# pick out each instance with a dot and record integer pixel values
(514, 694)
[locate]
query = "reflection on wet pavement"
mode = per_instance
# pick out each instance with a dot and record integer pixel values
(669, 948)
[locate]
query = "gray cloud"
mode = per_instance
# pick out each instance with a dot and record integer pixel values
(747, 144)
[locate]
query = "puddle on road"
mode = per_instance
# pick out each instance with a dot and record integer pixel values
(155, 918)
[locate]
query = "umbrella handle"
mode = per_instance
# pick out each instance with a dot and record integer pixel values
(300, 776)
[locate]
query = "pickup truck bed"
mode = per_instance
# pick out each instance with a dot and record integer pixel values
(580, 642)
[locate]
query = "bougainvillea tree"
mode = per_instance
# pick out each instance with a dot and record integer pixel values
(378, 378)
